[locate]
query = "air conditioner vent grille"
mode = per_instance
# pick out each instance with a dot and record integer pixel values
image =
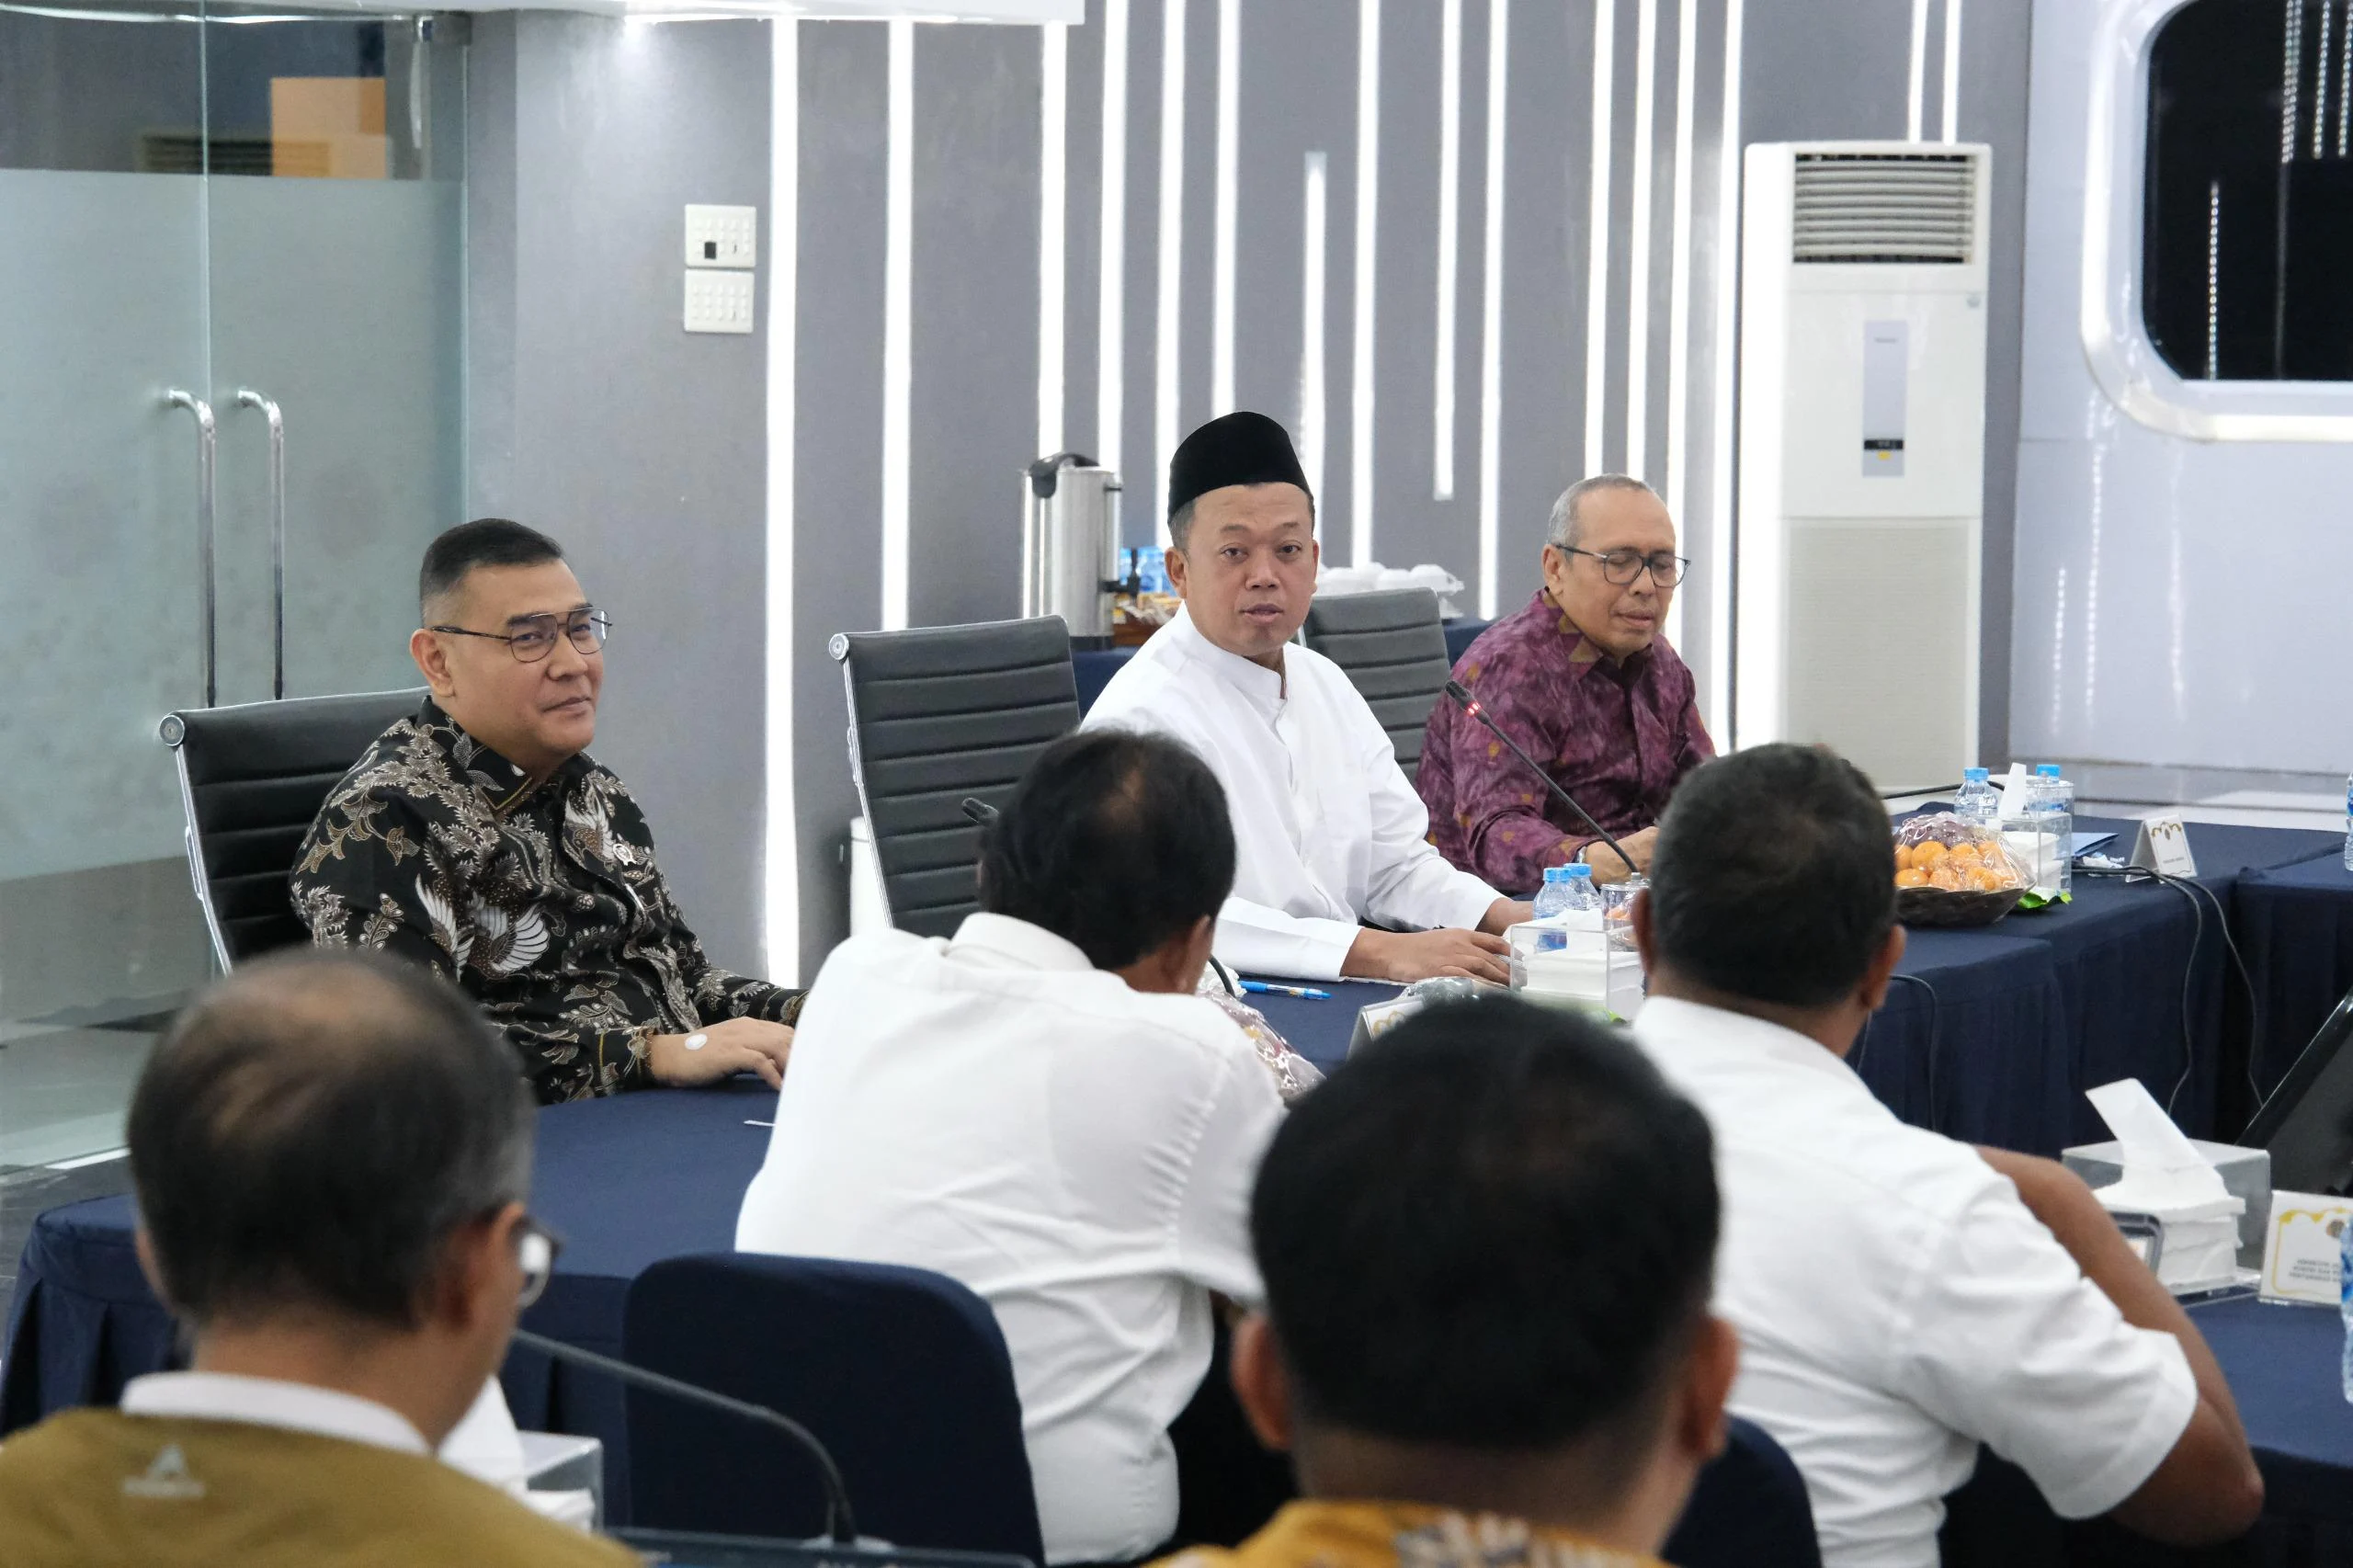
(1878, 206)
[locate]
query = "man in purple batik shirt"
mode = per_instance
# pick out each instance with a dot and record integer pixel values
(1583, 681)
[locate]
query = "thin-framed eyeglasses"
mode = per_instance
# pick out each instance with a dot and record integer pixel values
(534, 636)
(536, 1248)
(1621, 567)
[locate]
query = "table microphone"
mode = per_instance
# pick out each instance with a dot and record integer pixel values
(841, 1527)
(1471, 705)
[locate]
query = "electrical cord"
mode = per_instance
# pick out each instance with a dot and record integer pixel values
(1936, 1031)
(2188, 889)
(1225, 977)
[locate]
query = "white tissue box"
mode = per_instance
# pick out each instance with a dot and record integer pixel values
(2201, 1243)
(2246, 1174)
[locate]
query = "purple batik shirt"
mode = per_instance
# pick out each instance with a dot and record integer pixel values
(1617, 736)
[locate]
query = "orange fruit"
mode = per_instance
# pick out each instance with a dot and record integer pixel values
(1947, 878)
(1927, 854)
(1911, 877)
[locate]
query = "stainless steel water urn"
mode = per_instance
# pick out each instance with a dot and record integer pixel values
(1070, 545)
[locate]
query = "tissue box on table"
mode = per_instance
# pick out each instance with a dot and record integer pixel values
(2166, 1176)
(2246, 1175)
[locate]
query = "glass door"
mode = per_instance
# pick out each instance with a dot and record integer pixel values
(336, 242)
(212, 219)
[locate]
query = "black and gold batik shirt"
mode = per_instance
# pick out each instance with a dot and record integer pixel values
(543, 903)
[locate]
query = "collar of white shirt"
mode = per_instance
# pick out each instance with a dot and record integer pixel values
(1677, 1028)
(271, 1402)
(1262, 688)
(999, 941)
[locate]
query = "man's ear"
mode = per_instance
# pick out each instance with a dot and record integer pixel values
(480, 1276)
(1879, 975)
(1645, 947)
(1178, 568)
(432, 661)
(1699, 1420)
(1259, 1381)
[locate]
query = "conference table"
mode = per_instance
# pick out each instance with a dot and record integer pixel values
(1994, 1041)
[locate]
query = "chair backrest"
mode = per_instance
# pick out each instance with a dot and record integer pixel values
(1749, 1509)
(1392, 647)
(939, 715)
(900, 1373)
(252, 777)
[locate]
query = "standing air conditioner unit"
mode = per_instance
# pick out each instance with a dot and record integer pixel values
(1862, 438)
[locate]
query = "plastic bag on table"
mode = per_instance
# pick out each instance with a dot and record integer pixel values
(1294, 1074)
(1940, 850)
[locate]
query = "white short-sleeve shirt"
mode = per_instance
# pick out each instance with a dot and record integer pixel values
(1078, 1153)
(1328, 832)
(1897, 1303)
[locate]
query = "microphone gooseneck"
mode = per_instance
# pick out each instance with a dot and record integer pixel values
(841, 1525)
(1471, 705)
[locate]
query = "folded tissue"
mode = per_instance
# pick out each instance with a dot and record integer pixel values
(2164, 1175)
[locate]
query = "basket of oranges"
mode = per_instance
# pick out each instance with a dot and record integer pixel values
(1950, 873)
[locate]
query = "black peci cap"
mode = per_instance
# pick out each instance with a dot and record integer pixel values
(1233, 448)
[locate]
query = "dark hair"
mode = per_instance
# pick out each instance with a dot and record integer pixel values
(312, 1131)
(1496, 1230)
(485, 541)
(1774, 876)
(1114, 840)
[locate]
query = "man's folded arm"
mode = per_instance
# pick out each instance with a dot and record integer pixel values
(1258, 939)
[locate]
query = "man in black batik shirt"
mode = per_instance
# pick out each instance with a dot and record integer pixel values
(478, 838)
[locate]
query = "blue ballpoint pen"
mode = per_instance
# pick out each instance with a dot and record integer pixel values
(1307, 992)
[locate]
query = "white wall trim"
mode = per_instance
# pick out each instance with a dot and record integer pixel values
(780, 849)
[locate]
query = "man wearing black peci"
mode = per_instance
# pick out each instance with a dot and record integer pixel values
(479, 838)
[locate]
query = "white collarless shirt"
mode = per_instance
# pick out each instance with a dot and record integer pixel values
(1080, 1154)
(1328, 832)
(1898, 1304)
(271, 1402)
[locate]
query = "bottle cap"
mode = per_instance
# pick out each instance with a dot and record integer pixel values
(1576, 873)
(1975, 775)
(1556, 873)
(2046, 770)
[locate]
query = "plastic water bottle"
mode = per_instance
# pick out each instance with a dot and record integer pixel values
(2052, 803)
(1553, 903)
(2344, 1306)
(1980, 804)
(2348, 822)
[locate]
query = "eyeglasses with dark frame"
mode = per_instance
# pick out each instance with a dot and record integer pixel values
(1621, 567)
(535, 638)
(536, 1248)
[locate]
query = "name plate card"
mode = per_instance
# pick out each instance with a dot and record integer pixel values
(2163, 846)
(2300, 1247)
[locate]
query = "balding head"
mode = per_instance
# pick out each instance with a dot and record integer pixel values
(311, 1133)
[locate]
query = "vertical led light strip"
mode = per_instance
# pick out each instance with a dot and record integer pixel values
(1053, 191)
(1311, 405)
(1450, 245)
(1596, 284)
(898, 320)
(1725, 356)
(2345, 89)
(1368, 236)
(1165, 363)
(2320, 81)
(1229, 134)
(1110, 298)
(1916, 109)
(1491, 313)
(2213, 279)
(1678, 290)
(1638, 254)
(1952, 70)
(780, 843)
(2292, 72)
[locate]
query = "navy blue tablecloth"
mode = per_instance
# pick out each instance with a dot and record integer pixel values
(2295, 928)
(1095, 667)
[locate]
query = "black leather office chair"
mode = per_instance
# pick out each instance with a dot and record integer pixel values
(252, 776)
(936, 716)
(1392, 647)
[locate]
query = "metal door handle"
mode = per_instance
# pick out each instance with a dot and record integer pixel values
(176, 398)
(248, 398)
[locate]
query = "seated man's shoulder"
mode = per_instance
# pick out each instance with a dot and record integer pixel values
(175, 1491)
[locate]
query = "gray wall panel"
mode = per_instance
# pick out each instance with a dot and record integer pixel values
(975, 322)
(837, 445)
